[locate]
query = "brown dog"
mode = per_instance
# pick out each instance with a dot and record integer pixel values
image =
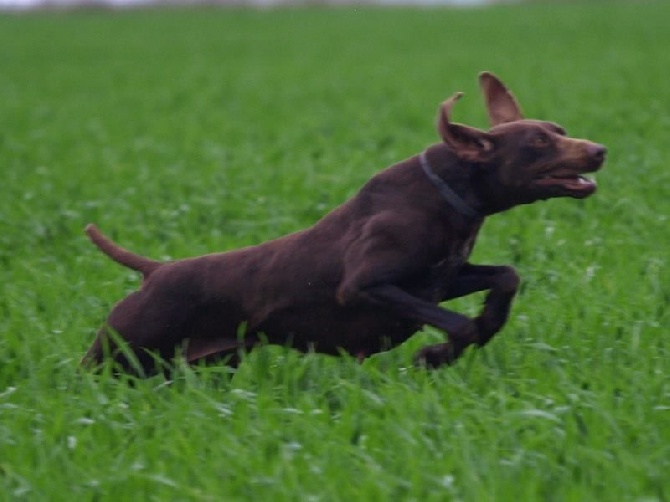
(370, 273)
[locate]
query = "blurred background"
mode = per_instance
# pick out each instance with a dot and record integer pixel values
(59, 4)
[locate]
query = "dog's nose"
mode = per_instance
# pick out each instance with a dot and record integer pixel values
(598, 152)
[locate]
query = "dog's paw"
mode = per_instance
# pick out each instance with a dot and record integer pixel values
(434, 356)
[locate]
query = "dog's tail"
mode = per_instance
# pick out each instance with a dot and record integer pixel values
(131, 260)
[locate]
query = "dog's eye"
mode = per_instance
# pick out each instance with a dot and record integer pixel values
(540, 140)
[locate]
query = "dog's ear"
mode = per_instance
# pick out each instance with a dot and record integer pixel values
(468, 142)
(500, 103)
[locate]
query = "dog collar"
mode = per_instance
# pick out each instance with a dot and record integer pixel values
(446, 191)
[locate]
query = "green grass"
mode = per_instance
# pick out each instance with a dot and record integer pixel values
(189, 131)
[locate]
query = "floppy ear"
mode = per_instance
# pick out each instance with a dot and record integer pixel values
(468, 143)
(500, 103)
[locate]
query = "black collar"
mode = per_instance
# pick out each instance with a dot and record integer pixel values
(447, 193)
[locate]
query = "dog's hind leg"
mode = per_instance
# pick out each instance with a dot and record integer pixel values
(141, 328)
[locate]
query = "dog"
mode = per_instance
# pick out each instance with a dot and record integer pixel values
(369, 274)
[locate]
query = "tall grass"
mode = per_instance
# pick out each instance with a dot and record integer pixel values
(182, 132)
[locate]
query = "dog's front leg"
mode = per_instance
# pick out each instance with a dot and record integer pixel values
(390, 252)
(502, 282)
(409, 306)
(462, 330)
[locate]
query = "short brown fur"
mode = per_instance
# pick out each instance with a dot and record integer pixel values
(370, 273)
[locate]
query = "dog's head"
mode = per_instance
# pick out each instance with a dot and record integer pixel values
(529, 159)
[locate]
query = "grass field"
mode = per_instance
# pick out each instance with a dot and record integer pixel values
(189, 131)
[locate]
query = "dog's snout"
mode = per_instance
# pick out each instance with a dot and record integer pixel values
(596, 151)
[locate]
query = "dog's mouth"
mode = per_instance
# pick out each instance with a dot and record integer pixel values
(571, 184)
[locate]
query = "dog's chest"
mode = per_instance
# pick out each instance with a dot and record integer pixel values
(461, 251)
(442, 273)
(458, 251)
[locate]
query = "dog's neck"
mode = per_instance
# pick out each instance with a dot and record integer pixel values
(447, 193)
(472, 184)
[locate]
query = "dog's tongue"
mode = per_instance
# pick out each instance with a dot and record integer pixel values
(576, 182)
(580, 183)
(583, 180)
